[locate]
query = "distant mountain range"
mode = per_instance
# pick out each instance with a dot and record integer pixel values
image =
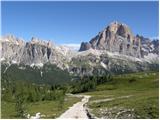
(114, 50)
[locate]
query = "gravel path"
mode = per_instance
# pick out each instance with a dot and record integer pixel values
(78, 110)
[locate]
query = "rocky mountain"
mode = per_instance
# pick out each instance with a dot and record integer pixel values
(36, 52)
(114, 50)
(118, 37)
(149, 46)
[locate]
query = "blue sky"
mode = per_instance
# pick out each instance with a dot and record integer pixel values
(74, 22)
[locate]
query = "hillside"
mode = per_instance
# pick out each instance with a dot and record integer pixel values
(48, 74)
(129, 96)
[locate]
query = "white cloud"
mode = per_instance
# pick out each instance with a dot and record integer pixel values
(72, 46)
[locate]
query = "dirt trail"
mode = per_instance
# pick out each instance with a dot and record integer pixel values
(78, 110)
(110, 99)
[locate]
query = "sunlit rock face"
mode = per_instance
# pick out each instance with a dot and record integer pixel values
(116, 37)
(34, 52)
(115, 50)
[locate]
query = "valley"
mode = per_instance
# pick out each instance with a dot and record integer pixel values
(79, 59)
(133, 95)
(114, 75)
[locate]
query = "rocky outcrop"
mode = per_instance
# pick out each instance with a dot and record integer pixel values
(35, 52)
(155, 48)
(12, 48)
(85, 46)
(148, 46)
(100, 62)
(117, 37)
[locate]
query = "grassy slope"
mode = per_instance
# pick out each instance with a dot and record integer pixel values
(50, 109)
(142, 86)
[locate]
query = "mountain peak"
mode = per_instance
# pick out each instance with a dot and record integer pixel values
(117, 23)
(119, 28)
(12, 39)
(116, 37)
(35, 40)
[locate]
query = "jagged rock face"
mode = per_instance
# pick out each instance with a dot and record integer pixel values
(155, 43)
(35, 52)
(116, 37)
(148, 46)
(12, 48)
(85, 46)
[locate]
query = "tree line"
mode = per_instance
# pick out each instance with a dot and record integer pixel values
(88, 83)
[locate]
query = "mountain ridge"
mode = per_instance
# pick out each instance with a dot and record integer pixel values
(106, 52)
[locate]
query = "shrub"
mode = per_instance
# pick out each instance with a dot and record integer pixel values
(20, 105)
(132, 79)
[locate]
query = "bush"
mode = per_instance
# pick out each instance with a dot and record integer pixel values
(133, 79)
(20, 105)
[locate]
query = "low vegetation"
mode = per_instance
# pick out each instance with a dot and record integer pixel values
(20, 98)
(133, 95)
(127, 96)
